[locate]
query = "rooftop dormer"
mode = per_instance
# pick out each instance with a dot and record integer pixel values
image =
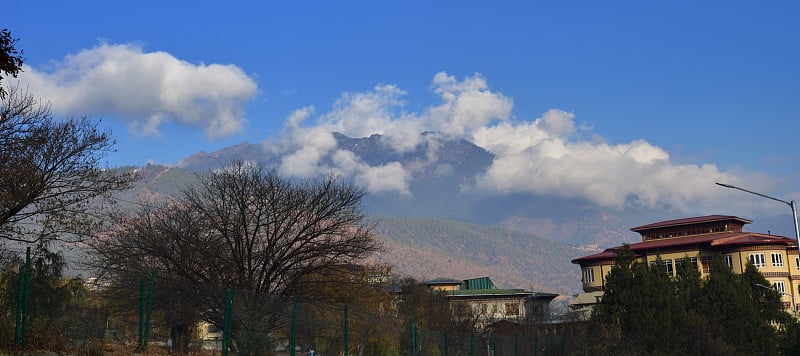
(700, 225)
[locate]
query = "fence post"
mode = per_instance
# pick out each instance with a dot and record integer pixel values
(20, 305)
(26, 298)
(346, 334)
(226, 331)
(445, 344)
(294, 327)
(471, 344)
(548, 343)
(413, 337)
(140, 344)
(149, 309)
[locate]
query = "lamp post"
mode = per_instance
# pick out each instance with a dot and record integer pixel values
(769, 288)
(792, 205)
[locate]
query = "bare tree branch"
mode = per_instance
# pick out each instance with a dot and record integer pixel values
(51, 183)
(245, 227)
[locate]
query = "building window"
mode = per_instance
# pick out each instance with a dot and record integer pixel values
(512, 309)
(588, 275)
(692, 261)
(797, 262)
(777, 259)
(758, 260)
(780, 287)
(666, 264)
(705, 262)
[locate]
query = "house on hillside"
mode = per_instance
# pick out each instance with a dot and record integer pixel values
(487, 304)
(696, 240)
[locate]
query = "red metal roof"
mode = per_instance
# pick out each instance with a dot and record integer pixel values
(607, 254)
(753, 238)
(715, 240)
(692, 220)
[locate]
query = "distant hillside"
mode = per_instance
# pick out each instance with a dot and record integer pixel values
(430, 248)
(519, 240)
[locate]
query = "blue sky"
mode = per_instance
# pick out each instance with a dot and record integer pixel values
(710, 88)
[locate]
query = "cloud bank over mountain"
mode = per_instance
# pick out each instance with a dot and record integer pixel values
(146, 89)
(548, 155)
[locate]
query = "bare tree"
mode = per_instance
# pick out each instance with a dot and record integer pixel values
(50, 177)
(245, 227)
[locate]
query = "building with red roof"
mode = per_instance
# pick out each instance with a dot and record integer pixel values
(697, 240)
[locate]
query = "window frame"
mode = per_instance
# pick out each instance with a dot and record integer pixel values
(779, 286)
(777, 259)
(509, 307)
(588, 275)
(728, 260)
(758, 259)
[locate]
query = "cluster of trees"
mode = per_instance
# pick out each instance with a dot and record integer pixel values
(62, 311)
(646, 311)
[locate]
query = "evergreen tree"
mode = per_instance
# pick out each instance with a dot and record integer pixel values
(608, 318)
(645, 310)
(733, 314)
(637, 314)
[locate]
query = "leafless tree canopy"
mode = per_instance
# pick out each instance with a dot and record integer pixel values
(50, 177)
(245, 227)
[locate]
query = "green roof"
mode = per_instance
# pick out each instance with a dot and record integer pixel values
(478, 283)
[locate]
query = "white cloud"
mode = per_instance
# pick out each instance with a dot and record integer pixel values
(146, 89)
(466, 106)
(543, 157)
(363, 114)
(390, 177)
(312, 150)
(549, 155)
(304, 147)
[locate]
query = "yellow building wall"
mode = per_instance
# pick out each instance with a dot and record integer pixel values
(790, 266)
(598, 272)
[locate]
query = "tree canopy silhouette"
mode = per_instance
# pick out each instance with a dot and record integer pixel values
(245, 227)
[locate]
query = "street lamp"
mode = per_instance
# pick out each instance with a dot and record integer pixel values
(769, 288)
(796, 230)
(789, 203)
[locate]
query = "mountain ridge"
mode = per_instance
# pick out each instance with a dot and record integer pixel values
(522, 240)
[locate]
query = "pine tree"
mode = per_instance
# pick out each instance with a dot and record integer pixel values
(734, 314)
(644, 310)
